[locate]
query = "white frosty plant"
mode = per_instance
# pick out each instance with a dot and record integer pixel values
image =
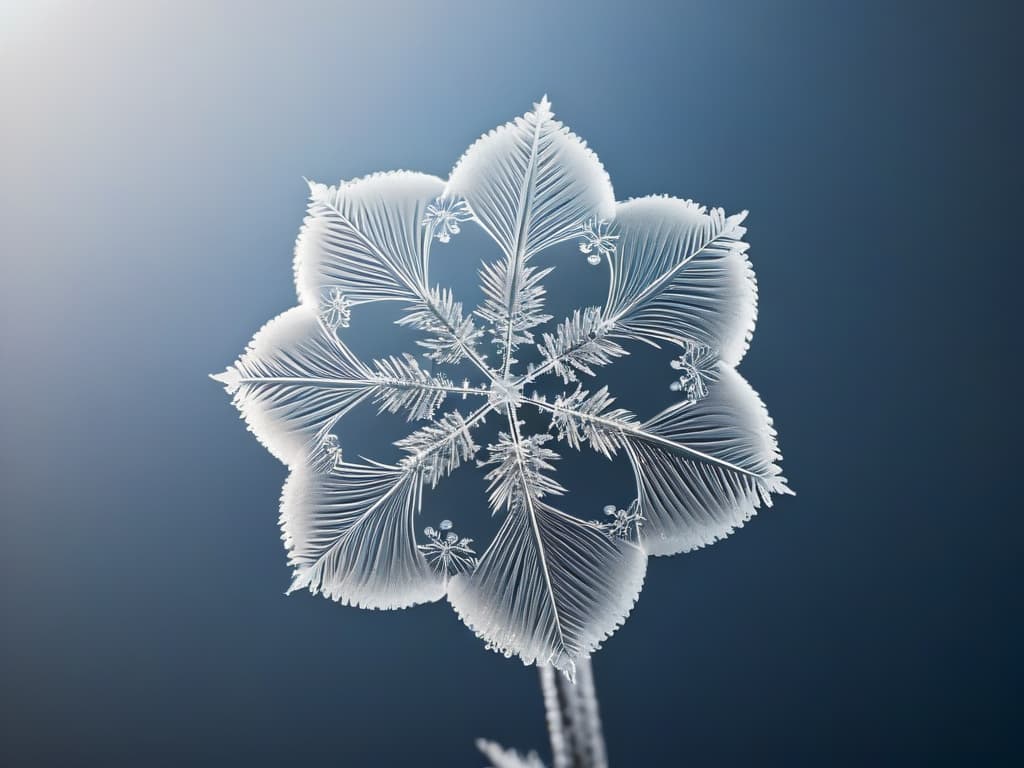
(551, 586)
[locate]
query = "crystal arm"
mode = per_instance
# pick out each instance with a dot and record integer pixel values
(420, 452)
(529, 501)
(296, 378)
(368, 383)
(518, 255)
(621, 430)
(553, 362)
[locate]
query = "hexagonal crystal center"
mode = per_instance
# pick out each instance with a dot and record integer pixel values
(506, 391)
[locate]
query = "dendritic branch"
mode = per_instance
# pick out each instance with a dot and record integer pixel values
(517, 257)
(439, 448)
(614, 429)
(580, 343)
(532, 488)
(400, 384)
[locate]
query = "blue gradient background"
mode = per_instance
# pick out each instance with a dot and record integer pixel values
(151, 157)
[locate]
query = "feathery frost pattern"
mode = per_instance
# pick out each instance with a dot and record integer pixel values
(551, 586)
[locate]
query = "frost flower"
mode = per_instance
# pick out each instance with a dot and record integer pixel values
(551, 586)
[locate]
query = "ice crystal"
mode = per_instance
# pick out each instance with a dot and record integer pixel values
(446, 552)
(551, 586)
(506, 391)
(452, 336)
(580, 343)
(335, 309)
(597, 241)
(698, 371)
(443, 217)
(624, 523)
(332, 451)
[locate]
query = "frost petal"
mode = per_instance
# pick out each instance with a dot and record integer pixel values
(293, 383)
(350, 535)
(550, 590)
(680, 273)
(366, 238)
(688, 502)
(531, 183)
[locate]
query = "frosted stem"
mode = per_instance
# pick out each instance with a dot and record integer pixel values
(574, 722)
(560, 757)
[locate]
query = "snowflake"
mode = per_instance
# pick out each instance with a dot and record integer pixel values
(332, 451)
(698, 364)
(597, 241)
(624, 523)
(446, 552)
(335, 308)
(443, 217)
(551, 586)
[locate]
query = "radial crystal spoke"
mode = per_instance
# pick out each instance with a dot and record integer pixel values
(638, 431)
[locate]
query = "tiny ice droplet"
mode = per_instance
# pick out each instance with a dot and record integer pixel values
(675, 386)
(593, 259)
(609, 509)
(446, 525)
